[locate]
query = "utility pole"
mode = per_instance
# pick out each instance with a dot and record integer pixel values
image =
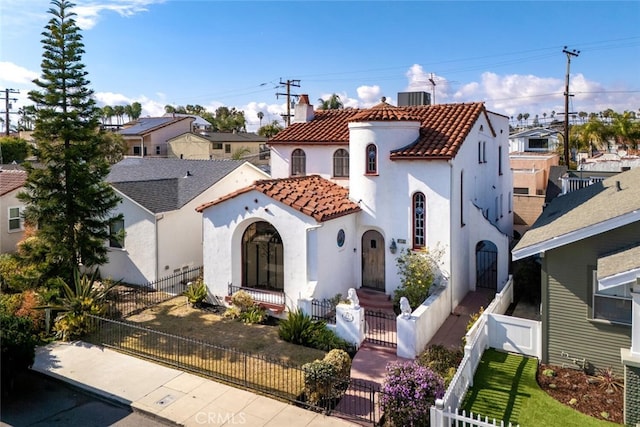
(433, 89)
(288, 94)
(569, 54)
(7, 105)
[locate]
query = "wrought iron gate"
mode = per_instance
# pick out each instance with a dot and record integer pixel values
(381, 328)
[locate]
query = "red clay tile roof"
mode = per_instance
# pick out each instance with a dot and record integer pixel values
(11, 179)
(312, 195)
(385, 112)
(327, 126)
(443, 127)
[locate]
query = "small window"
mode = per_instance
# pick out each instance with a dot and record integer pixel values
(613, 305)
(499, 160)
(136, 150)
(419, 224)
(15, 219)
(157, 150)
(520, 190)
(374, 244)
(116, 233)
(462, 224)
(484, 151)
(227, 148)
(216, 146)
(479, 152)
(298, 162)
(510, 202)
(341, 163)
(372, 160)
(538, 143)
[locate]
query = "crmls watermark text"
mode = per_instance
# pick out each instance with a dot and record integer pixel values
(230, 418)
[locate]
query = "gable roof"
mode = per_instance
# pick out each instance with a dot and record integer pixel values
(11, 179)
(443, 127)
(162, 185)
(595, 209)
(312, 195)
(197, 120)
(146, 125)
(231, 137)
(619, 268)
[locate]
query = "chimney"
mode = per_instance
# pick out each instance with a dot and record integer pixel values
(303, 111)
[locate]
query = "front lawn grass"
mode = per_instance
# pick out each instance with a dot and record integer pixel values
(178, 334)
(505, 388)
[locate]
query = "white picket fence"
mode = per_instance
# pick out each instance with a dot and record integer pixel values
(448, 416)
(478, 339)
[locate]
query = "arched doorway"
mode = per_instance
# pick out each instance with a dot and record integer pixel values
(487, 265)
(373, 260)
(262, 257)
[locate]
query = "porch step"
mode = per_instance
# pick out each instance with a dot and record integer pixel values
(374, 300)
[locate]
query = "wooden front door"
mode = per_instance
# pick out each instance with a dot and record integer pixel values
(373, 260)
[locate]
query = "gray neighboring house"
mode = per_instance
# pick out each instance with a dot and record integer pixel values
(161, 232)
(148, 136)
(588, 242)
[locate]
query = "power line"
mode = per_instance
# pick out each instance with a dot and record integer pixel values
(288, 94)
(7, 104)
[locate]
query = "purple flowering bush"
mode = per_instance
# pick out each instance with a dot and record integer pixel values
(408, 392)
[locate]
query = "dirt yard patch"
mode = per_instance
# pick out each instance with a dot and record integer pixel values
(576, 389)
(176, 317)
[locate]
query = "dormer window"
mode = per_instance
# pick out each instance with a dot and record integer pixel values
(372, 160)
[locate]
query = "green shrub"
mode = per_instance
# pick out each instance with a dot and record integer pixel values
(326, 339)
(299, 328)
(441, 360)
(196, 293)
(17, 343)
(85, 298)
(253, 314)
(327, 379)
(232, 312)
(243, 300)
(417, 270)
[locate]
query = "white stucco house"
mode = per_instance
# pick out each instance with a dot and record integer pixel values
(350, 188)
(160, 232)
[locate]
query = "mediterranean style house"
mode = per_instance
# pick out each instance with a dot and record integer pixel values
(352, 188)
(588, 243)
(160, 232)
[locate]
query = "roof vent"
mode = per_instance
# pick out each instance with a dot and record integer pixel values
(618, 186)
(188, 174)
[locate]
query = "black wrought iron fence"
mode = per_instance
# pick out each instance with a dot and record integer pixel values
(253, 371)
(381, 328)
(323, 310)
(127, 299)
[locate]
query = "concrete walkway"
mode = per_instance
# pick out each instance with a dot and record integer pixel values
(170, 395)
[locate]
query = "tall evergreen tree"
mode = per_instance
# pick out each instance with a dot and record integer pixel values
(67, 196)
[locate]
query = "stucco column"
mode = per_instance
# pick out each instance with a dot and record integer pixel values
(350, 323)
(407, 330)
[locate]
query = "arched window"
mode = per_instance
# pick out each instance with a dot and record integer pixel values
(372, 159)
(419, 222)
(298, 162)
(341, 163)
(262, 257)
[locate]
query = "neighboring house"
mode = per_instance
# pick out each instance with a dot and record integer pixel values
(162, 231)
(12, 179)
(532, 153)
(148, 136)
(220, 145)
(609, 162)
(351, 188)
(198, 125)
(588, 242)
(541, 140)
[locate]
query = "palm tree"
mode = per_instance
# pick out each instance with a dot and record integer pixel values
(625, 130)
(270, 129)
(260, 117)
(128, 111)
(118, 110)
(136, 111)
(333, 103)
(526, 119)
(169, 109)
(107, 113)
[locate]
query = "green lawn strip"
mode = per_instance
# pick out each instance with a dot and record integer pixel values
(505, 388)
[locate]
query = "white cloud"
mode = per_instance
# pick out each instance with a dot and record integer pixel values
(89, 12)
(15, 74)
(369, 95)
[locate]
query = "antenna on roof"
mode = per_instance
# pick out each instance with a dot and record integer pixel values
(433, 89)
(188, 174)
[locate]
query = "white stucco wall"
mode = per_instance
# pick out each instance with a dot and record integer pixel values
(135, 263)
(314, 265)
(319, 160)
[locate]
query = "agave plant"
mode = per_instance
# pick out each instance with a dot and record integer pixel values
(85, 297)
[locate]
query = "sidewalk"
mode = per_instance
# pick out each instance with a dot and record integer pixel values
(168, 394)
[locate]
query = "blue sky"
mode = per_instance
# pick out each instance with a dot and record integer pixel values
(505, 53)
